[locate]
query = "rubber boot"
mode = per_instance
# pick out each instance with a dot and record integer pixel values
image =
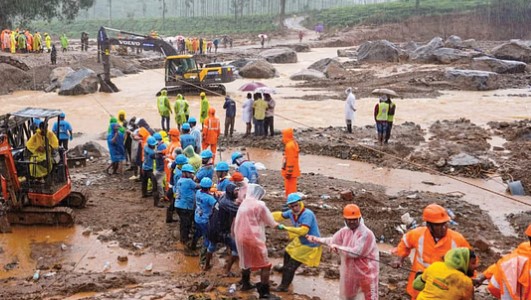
(263, 291)
(287, 278)
(208, 258)
(169, 214)
(349, 128)
(246, 280)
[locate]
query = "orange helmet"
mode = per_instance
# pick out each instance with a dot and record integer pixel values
(351, 211)
(528, 230)
(435, 213)
(174, 132)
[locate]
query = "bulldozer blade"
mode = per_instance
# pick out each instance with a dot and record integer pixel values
(57, 216)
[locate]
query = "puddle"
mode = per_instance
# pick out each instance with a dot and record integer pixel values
(80, 254)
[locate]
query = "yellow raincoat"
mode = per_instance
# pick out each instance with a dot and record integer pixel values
(34, 143)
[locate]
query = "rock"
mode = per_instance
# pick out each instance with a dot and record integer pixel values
(302, 47)
(307, 74)
(410, 46)
(346, 195)
(378, 51)
(449, 55)
(425, 53)
(330, 67)
(470, 43)
(513, 50)
(441, 162)
(116, 73)
(240, 63)
(258, 69)
(498, 148)
(500, 66)
(279, 55)
(86, 232)
(472, 79)
(481, 243)
(322, 64)
(83, 81)
(346, 52)
(93, 149)
(59, 74)
(453, 41)
(463, 159)
(122, 258)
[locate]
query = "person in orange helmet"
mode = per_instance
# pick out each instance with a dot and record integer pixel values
(211, 132)
(431, 242)
(290, 165)
(175, 143)
(509, 276)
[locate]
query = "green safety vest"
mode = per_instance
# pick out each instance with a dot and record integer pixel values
(383, 110)
(163, 109)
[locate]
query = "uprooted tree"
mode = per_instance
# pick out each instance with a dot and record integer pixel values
(21, 12)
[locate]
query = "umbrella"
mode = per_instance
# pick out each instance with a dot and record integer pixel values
(251, 86)
(385, 92)
(265, 90)
(262, 35)
(179, 37)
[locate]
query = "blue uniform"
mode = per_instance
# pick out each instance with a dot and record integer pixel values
(205, 171)
(116, 148)
(149, 156)
(159, 160)
(222, 184)
(177, 174)
(185, 193)
(307, 219)
(64, 128)
(248, 171)
(204, 203)
(186, 140)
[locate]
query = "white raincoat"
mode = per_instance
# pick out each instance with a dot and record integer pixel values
(249, 229)
(247, 112)
(349, 105)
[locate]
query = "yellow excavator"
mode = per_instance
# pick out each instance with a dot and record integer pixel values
(182, 73)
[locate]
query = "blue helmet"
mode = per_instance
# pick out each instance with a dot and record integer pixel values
(188, 168)
(222, 166)
(186, 126)
(181, 159)
(206, 183)
(206, 154)
(62, 115)
(235, 156)
(192, 120)
(157, 136)
(294, 197)
(151, 141)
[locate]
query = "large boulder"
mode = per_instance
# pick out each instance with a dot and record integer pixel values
(307, 74)
(425, 53)
(83, 81)
(378, 51)
(450, 55)
(463, 159)
(453, 41)
(258, 69)
(59, 74)
(330, 67)
(410, 46)
(470, 43)
(89, 149)
(240, 63)
(349, 52)
(301, 47)
(279, 55)
(499, 66)
(322, 64)
(473, 79)
(513, 50)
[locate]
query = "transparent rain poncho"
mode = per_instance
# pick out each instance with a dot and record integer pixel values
(249, 229)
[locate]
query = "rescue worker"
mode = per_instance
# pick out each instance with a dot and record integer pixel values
(249, 233)
(186, 138)
(37, 42)
(128, 140)
(509, 276)
(193, 158)
(300, 250)
(356, 245)
(450, 279)
(174, 148)
(381, 110)
(176, 170)
(13, 42)
(48, 41)
(211, 131)
(184, 191)
(222, 173)
(349, 109)
(259, 113)
(207, 167)
(53, 55)
(230, 115)
(290, 165)
(204, 202)
(21, 42)
(205, 105)
(37, 146)
(64, 42)
(63, 131)
(246, 167)
(247, 114)
(431, 242)
(163, 105)
(269, 121)
(390, 119)
(196, 133)
(29, 41)
(115, 143)
(147, 169)
(179, 109)
(159, 173)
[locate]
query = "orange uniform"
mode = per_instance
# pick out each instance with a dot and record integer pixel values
(290, 166)
(144, 134)
(175, 142)
(211, 132)
(426, 250)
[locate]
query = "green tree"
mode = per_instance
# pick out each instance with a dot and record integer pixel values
(20, 12)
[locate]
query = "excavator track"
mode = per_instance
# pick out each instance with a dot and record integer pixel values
(31, 215)
(13, 62)
(76, 199)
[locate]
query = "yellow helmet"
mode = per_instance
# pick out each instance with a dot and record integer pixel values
(202, 94)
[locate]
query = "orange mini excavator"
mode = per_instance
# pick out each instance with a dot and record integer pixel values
(24, 198)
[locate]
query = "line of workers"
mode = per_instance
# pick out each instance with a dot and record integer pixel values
(23, 41)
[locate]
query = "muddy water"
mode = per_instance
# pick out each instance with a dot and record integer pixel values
(397, 180)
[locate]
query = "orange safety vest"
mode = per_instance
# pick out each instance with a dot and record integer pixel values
(510, 278)
(212, 130)
(291, 154)
(426, 250)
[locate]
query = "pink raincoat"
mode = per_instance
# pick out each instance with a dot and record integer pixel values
(359, 266)
(249, 229)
